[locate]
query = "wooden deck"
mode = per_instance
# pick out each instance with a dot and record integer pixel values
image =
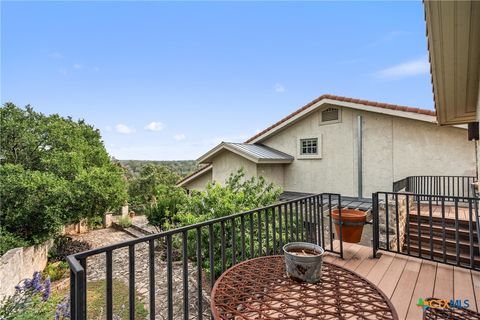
(406, 279)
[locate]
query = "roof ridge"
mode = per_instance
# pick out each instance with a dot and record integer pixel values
(344, 99)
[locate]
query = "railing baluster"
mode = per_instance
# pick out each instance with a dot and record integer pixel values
(131, 281)
(199, 274)
(296, 221)
(251, 236)
(330, 231)
(211, 255)
(457, 244)
(186, 305)
(387, 222)
(259, 218)
(322, 222)
(444, 248)
(242, 227)
(169, 278)
(73, 297)
(280, 229)
(430, 221)
(341, 224)
(470, 233)
(397, 222)
(109, 285)
(151, 279)
(267, 233)
(419, 227)
(292, 231)
(274, 231)
(222, 246)
(407, 226)
(234, 243)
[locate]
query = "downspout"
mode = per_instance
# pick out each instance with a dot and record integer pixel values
(359, 157)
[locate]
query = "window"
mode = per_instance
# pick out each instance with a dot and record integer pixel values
(330, 114)
(309, 146)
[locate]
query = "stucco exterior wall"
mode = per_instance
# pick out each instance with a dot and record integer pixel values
(228, 162)
(393, 148)
(200, 183)
(334, 171)
(272, 173)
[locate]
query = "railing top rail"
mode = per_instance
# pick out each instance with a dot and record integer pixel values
(428, 195)
(76, 267)
(446, 176)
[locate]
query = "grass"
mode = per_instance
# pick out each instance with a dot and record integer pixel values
(96, 295)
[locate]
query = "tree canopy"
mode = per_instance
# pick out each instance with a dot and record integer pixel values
(54, 170)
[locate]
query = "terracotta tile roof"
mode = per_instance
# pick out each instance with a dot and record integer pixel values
(346, 99)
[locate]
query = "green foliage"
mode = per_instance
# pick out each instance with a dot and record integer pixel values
(54, 171)
(33, 203)
(64, 246)
(95, 222)
(9, 241)
(180, 167)
(124, 222)
(56, 270)
(162, 213)
(238, 195)
(144, 189)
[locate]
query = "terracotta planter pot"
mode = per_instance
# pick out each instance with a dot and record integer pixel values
(352, 224)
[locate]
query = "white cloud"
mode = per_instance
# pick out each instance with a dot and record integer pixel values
(278, 87)
(179, 137)
(55, 55)
(406, 69)
(154, 126)
(77, 66)
(122, 128)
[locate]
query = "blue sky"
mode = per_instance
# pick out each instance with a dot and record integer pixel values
(171, 80)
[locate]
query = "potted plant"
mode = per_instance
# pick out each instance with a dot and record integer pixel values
(303, 261)
(352, 224)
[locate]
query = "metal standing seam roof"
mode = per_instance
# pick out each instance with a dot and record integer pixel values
(259, 151)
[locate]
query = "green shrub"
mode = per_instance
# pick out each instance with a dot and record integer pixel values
(124, 222)
(238, 195)
(56, 270)
(162, 213)
(64, 246)
(95, 222)
(9, 241)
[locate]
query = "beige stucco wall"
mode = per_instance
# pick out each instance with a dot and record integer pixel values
(272, 173)
(228, 162)
(200, 183)
(393, 148)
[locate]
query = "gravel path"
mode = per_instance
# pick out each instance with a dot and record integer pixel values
(96, 271)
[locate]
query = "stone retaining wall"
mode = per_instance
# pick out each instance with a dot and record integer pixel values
(20, 263)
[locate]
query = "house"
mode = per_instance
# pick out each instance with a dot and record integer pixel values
(343, 145)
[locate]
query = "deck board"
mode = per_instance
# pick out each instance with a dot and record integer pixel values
(423, 288)
(406, 279)
(463, 288)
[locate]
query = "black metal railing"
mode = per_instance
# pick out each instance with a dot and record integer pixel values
(444, 186)
(438, 228)
(206, 249)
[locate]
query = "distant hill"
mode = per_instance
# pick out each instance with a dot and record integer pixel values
(181, 167)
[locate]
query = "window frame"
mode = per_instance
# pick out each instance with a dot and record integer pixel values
(307, 156)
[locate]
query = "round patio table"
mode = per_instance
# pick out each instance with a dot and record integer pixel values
(260, 289)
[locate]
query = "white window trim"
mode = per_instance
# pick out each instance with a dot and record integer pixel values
(317, 156)
(322, 123)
